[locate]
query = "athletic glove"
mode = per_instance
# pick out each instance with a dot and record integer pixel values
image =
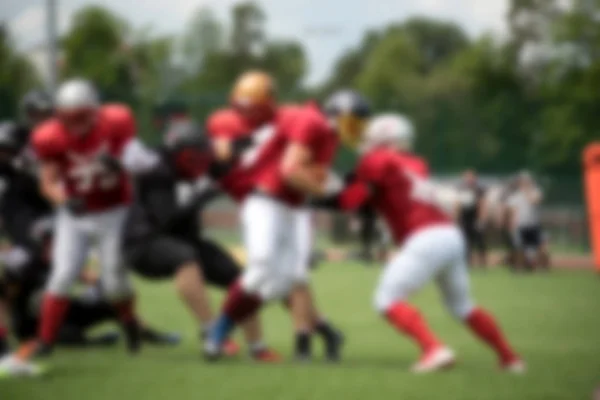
(109, 162)
(75, 205)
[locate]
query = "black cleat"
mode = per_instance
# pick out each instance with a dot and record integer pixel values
(133, 336)
(303, 350)
(333, 346)
(104, 340)
(157, 338)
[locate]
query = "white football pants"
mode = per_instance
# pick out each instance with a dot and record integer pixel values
(304, 238)
(73, 239)
(434, 253)
(270, 237)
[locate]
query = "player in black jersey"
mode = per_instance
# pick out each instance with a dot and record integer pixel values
(163, 236)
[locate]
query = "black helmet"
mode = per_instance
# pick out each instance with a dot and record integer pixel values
(36, 106)
(349, 111)
(10, 141)
(188, 149)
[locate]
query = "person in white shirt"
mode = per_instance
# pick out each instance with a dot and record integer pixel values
(524, 208)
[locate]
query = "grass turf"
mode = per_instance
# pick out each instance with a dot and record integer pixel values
(552, 319)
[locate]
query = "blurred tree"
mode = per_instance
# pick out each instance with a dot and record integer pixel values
(571, 116)
(437, 41)
(95, 47)
(248, 37)
(350, 65)
(249, 47)
(17, 76)
(203, 35)
(287, 62)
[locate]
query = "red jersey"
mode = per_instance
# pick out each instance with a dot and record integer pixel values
(305, 125)
(77, 157)
(415, 164)
(228, 124)
(404, 198)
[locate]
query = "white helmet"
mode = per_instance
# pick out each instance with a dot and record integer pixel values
(76, 94)
(394, 130)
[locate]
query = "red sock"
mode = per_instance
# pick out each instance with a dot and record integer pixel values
(484, 326)
(409, 321)
(240, 305)
(126, 310)
(54, 309)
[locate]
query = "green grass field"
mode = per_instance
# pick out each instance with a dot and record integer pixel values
(552, 319)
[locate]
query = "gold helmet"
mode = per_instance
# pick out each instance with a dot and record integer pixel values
(254, 96)
(349, 112)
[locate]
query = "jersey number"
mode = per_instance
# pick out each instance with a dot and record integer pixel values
(89, 175)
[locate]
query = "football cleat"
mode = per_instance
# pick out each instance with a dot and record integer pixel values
(230, 348)
(158, 338)
(211, 350)
(517, 367)
(133, 336)
(266, 355)
(333, 347)
(435, 360)
(11, 366)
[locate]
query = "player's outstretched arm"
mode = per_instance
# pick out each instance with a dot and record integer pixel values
(51, 184)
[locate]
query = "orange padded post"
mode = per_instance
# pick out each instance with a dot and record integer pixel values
(591, 174)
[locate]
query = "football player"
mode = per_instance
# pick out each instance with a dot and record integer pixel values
(162, 236)
(244, 130)
(289, 159)
(431, 248)
(86, 152)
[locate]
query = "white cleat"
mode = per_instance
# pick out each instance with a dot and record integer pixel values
(437, 360)
(517, 367)
(13, 367)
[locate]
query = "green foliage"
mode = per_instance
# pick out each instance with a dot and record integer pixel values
(95, 48)
(17, 76)
(530, 101)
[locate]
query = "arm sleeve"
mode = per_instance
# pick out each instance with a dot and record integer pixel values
(352, 198)
(304, 132)
(137, 158)
(46, 146)
(125, 129)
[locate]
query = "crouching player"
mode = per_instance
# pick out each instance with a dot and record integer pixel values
(162, 237)
(431, 249)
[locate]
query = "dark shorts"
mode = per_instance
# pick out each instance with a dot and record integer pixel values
(531, 236)
(160, 258)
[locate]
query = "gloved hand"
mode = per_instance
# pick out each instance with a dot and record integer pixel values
(75, 205)
(109, 162)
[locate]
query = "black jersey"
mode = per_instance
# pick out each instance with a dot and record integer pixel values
(21, 204)
(156, 209)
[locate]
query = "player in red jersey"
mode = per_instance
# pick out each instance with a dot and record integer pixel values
(253, 130)
(431, 248)
(86, 153)
(291, 163)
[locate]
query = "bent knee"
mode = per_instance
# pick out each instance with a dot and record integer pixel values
(386, 295)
